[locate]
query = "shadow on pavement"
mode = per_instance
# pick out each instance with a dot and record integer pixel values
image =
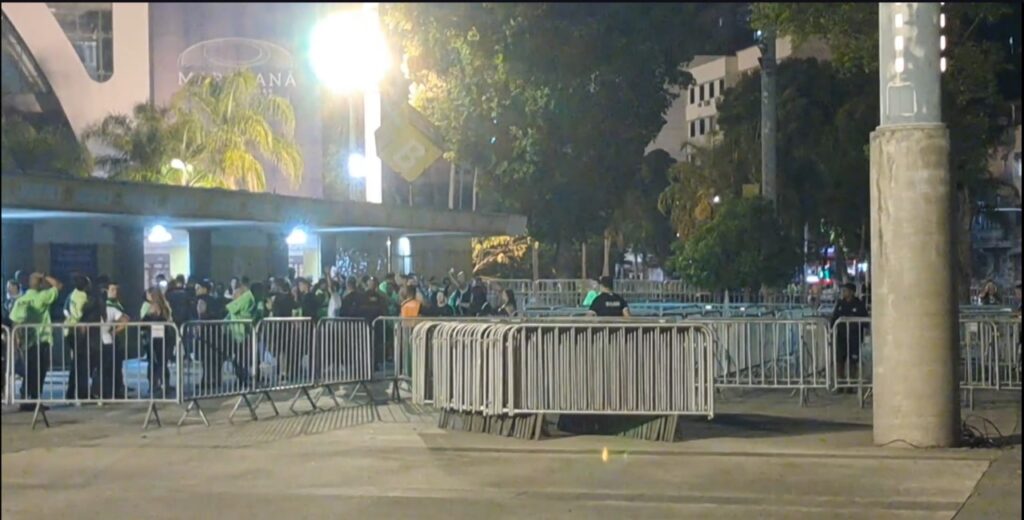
(751, 426)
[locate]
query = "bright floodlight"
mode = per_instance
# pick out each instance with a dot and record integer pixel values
(158, 235)
(296, 238)
(357, 166)
(716, 200)
(349, 52)
(177, 164)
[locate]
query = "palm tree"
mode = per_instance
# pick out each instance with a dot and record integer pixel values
(216, 133)
(239, 128)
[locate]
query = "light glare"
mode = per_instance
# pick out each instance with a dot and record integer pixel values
(898, 43)
(899, 65)
(296, 238)
(898, 20)
(349, 52)
(159, 235)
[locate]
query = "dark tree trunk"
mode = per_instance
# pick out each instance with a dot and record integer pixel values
(962, 244)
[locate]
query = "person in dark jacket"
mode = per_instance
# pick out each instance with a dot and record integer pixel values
(848, 337)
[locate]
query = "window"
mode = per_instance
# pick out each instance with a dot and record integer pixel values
(721, 86)
(702, 127)
(89, 28)
(693, 129)
(702, 91)
(711, 90)
(693, 95)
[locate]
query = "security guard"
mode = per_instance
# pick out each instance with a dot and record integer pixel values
(607, 304)
(848, 336)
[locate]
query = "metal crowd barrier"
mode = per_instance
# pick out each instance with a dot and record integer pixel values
(852, 356)
(561, 293)
(344, 353)
(522, 288)
(220, 362)
(989, 354)
(504, 372)
(94, 363)
(772, 353)
(7, 385)
(392, 348)
(152, 363)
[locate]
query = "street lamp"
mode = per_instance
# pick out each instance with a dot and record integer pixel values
(349, 54)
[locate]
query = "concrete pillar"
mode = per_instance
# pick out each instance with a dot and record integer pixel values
(328, 250)
(129, 266)
(914, 314)
(18, 247)
(277, 256)
(200, 253)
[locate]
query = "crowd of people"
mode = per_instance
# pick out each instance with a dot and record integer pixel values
(42, 300)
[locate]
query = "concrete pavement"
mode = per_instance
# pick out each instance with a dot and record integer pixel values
(763, 457)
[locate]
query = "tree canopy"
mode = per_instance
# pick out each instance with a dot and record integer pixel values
(823, 125)
(555, 103)
(744, 246)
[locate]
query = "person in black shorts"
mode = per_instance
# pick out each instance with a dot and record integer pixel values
(608, 304)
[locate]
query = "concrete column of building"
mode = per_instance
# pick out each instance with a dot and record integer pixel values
(200, 253)
(328, 250)
(277, 254)
(129, 266)
(914, 315)
(18, 247)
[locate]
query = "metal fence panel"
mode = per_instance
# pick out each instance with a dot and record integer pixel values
(772, 353)
(284, 351)
(219, 359)
(7, 344)
(344, 351)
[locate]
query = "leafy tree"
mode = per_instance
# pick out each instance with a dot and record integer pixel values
(223, 130)
(29, 144)
(984, 74)
(823, 161)
(745, 246)
(637, 223)
(28, 147)
(688, 199)
(554, 103)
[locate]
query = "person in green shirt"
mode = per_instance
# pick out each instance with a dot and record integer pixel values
(242, 308)
(593, 294)
(33, 308)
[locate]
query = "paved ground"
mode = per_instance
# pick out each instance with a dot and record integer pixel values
(762, 457)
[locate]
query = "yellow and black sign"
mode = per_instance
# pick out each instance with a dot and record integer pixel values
(407, 142)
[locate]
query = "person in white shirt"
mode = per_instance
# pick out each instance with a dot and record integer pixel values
(111, 379)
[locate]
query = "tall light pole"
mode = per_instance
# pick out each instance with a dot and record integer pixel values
(349, 54)
(914, 322)
(768, 115)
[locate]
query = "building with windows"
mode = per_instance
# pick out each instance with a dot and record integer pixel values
(692, 118)
(69, 65)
